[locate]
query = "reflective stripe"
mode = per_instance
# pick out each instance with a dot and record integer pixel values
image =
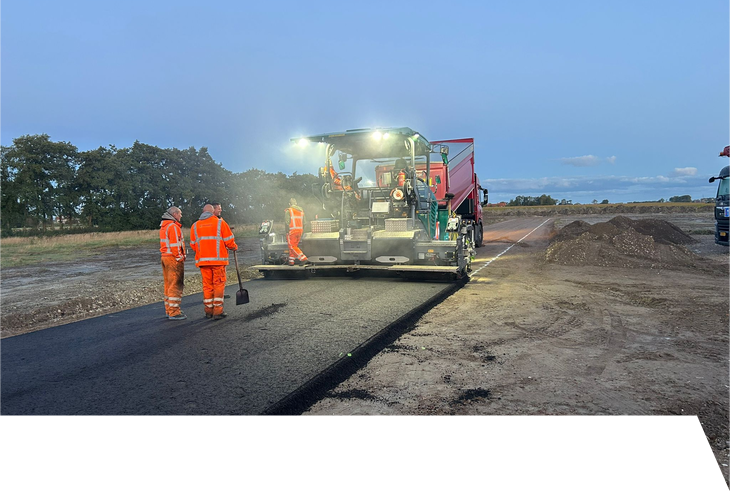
(165, 242)
(217, 238)
(296, 218)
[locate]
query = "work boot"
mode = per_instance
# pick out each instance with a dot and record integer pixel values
(220, 316)
(208, 315)
(178, 317)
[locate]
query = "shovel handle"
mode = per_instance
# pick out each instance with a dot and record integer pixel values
(235, 259)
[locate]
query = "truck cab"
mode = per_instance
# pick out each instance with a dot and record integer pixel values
(722, 206)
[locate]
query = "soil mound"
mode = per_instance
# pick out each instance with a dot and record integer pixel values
(572, 230)
(663, 232)
(622, 242)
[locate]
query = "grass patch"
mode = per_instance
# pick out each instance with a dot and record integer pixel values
(24, 251)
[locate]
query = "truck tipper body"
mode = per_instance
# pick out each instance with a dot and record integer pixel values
(722, 203)
(393, 201)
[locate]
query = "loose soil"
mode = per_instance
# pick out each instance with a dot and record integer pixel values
(598, 315)
(50, 294)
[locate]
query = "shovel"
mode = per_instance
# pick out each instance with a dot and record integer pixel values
(242, 294)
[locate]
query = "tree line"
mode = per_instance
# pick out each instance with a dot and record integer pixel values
(546, 200)
(112, 189)
(532, 201)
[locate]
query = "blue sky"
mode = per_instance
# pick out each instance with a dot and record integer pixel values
(620, 100)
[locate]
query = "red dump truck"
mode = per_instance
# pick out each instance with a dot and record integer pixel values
(388, 206)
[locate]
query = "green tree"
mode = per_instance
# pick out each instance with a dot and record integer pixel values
(13, 213)
(42, 173)
(544, 200)
(685, 198)
(105, 189)
(202, 180)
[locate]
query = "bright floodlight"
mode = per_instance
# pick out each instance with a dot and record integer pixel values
(303, 142)
(386, 136)
(377, 135)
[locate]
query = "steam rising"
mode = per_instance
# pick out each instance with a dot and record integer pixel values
(302, 159)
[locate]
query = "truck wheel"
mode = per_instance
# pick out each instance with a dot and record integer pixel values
(480, 236)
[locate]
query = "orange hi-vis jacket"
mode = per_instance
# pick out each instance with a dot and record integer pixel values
(211, 238)
(296, 218)
(171, 240)
(337, 183)
(335, 178)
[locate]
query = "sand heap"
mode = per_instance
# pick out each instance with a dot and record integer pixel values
(623, 242)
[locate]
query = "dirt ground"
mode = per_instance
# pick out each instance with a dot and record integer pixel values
(584, 318)
(47, 295)
(638, 328)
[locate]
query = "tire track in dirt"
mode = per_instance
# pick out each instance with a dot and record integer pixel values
(561, 324)
(616, 341)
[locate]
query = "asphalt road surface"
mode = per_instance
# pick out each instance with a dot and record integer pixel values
(292, 331)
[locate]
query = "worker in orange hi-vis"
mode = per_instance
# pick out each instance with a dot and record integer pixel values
(294, 224)
(337, 184)
(211, 238)
(172, 250)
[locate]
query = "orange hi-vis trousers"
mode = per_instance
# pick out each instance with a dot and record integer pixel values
(293, 238)
(214, 287)
(173, 273)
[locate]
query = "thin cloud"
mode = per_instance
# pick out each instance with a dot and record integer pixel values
(587, 160)
(684, 171)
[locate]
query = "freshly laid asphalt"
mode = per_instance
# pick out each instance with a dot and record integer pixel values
(138, 362)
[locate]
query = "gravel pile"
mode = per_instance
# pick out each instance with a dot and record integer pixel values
(622, 242)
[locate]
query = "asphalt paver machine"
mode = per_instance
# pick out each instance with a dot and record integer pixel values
(391, 201)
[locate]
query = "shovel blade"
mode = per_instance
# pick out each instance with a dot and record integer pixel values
(241, 296)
